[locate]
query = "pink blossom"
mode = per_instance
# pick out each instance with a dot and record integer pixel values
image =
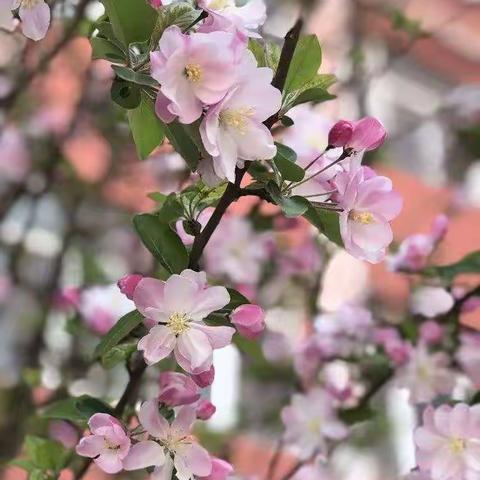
(365, 134)
(315, 471)
(237, 252)
(67, 298)
(233, 130)
(310, 420)
(414, 251)
(205, 409)
(426, 375)
(193, 71)
(102, 306)
(178, 306)
(108, 445)
(128, 283)
(177, 389)
(431, 332)
(471, 305)
(176, 449)
(221, 470)
(205, 379)
(448, 442)
(369, 205)
(249, 320)
(468, 356)
(63, 432)
(14, 155)
(225, 15)
(34, 14)
(395, 347)
(302, 259)
(155, 3)
(309, 355)
(431, 301)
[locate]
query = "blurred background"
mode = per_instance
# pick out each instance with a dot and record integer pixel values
(70, 180)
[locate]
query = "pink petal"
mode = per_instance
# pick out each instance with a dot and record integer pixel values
(459, 420)
(195, 346)
(91, 446)
(425, 439)
(35, 20)
(144, 454)
(109, 462)
(218, 337)
(157, 345)
(149, 294)
(182, 425)
(180, 294)
(152, 421)
(209, 300)
(164, 472)
(100, 420)
(192, 459)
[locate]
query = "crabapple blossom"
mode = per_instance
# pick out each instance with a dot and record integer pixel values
(101, 306)
(14, 156)
(249, 320)
(237, 251)
(108, 444)
(431, 332)
(175, 448)
(178, 308)
(128, 283)
(415, 250)
(365, 134)
(426, 375)
(448, 442)
(233, 130)
(310, 420)
(468, 356)
(193, 71)
(397, 349)
(310, 353)
(369, 204)
(225, 15)
(205, 409)
(177, 389)
(431, 301)
(34, 14)
(221, 470)
(205, 379)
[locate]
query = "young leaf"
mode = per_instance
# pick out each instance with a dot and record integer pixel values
(146, 129)
(327, 223)
(118, 354)
(305, 63)
(180, 14)
(134, 77)
(291, 206)
(45, 454)
(102, 48)
(118, 332)
(171, 209)
(285, 161)
(75, 409)
(132, 20)
(89, 406)
(162, 242)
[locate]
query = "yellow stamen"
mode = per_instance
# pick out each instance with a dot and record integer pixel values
(193, 72)
(237, 118)
(219, 4)
(457, 445)
(178, 323)
(29, 3)
(365, 218)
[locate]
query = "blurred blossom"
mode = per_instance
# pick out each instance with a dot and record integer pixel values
(468, 356)
(276, 347)
(169, 169)
(310, 420)
(302, 259)
(431, 332)
(338, 380)
(464, 100)
(426, 375)
(67, 298)
(63, 432)
(205, 379)
(448, 442)
(14, 155)
(128, 283)
(397, 349)
(249, 320)
(431, 301)
(237, 251)
(102, 306)
(221, 470)
(471, 304)
(177, 389)
(315, 471)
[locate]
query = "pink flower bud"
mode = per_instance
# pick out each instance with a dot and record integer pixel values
(431, 331)
(128, 283)
(220, 470)
(340, 134)
(205, 409)
(205, 379)
(368, 134)
(67, 298)
(249, 320)
(156, 3)
(177, 389)
(440, 228)
(398, 351)
(63, 432)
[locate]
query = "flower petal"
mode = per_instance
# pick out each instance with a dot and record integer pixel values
(152, 421)
(157, 345)
(195, 347)
(144, 454)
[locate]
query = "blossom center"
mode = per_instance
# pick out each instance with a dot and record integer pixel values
(193, 72)
(220, 4)
(457, 445)
(29, 3)
(178, 323)
(365, 218)
(111, 446)
(314, 425)
(237, 118)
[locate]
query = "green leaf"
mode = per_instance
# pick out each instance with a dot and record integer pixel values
(305, 63)
(236, 300)
(250, 348)
(118, 354)
(102, 48)
(285, 161)
(89, 406)
(132, 20)
(467, 265)
(162, 242)
(126, 94)
(139, 54)
(45, 454)
(134, 77)
(74, 409)
(24, 464)
(118, 332)
(181, 141)
(314, 95)
(326, 222)
(146, 128)
(356, 415)
(171, 209)
(291, 206)
(287, 121)
(181, 14)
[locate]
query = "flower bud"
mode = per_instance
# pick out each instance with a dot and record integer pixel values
(340, 134)
(128, 283)
(220, 470)
(440, 228)
(205, 379)
(205, 409)
(67, 298)
(368, 134)
(155, 3)
(249, 320)
(177, 389)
